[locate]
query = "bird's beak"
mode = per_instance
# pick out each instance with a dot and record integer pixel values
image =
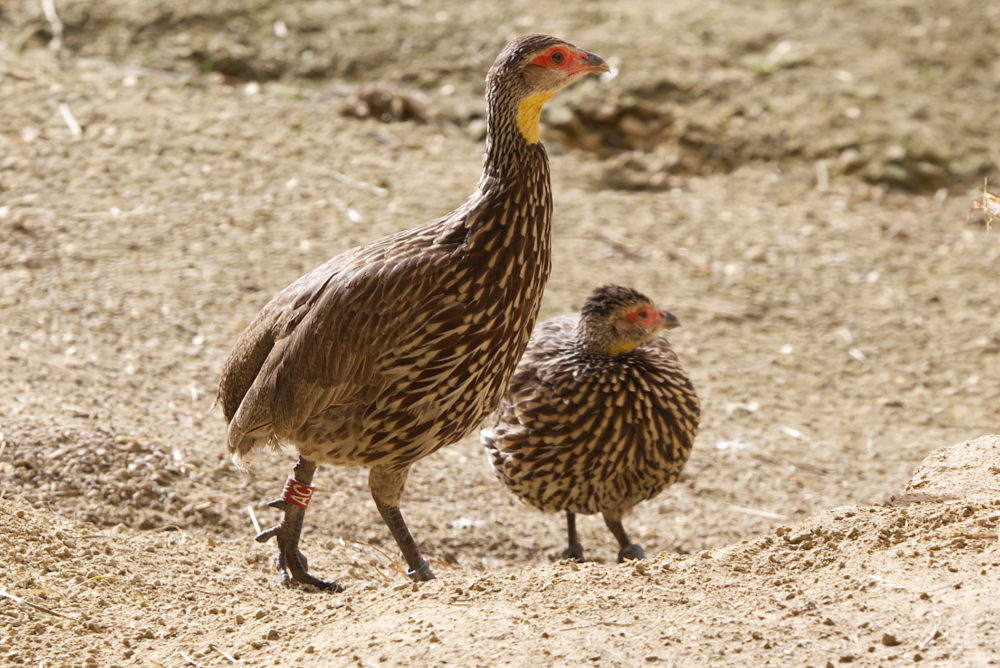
(670, 320)
(591, 63)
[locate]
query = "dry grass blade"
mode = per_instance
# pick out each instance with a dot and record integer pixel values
(40, 608)
(990, 206)
(385, 554)
(440, 562)
(395, 564)
(587, 626)
(87, 581)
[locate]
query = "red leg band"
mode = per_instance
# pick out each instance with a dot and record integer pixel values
(297, 493)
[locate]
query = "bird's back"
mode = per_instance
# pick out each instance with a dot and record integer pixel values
(394, 349)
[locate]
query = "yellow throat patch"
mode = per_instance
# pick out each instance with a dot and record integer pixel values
(622, 348)
(528, 114)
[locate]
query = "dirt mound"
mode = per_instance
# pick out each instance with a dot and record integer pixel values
(903, 581)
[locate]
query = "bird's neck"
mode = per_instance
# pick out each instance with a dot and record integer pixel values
(512, 146)
(596, 340)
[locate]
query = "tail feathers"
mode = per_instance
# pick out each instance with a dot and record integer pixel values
(249, 430)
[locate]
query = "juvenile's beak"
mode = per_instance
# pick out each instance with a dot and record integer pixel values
(670, 320)
(591, 63)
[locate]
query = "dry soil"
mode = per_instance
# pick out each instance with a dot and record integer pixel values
(794, 180)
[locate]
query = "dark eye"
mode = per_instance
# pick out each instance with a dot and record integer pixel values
(643, 314)
(558, 57)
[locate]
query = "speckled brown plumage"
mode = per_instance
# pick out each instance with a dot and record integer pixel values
(599, 416)
(392, 350)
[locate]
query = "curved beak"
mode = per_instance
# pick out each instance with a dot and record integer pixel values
(670, 321)
(591, 63)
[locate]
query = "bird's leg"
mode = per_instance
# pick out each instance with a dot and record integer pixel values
(292, 564)
(387, 489)
(629, 550)
(573, 550)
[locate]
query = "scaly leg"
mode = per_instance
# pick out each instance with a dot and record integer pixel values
(574, 549)
(629, 550)
(292, 564)
(387, 489)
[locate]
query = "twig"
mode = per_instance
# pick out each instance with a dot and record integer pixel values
(49, 9)
(70, 119)
(253, 519)
(42, 608)
(930, 637)
(225, 654)
(667, 589)
(189, 659)
(344, 178)
(767, 514)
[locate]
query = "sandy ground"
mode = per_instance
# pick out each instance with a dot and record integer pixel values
(793, 180)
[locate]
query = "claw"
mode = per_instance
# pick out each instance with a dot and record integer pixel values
(574, 552)
(294, 567)
(631, 553)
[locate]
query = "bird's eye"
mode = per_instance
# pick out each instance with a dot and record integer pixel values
(644, 314)
(557, 57)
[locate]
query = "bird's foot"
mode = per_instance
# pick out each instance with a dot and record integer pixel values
(293, 565)
(422, 573)
(574, 552)
(631, 553)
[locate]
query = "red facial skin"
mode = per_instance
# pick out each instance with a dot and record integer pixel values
(649, 317)
(570, 60)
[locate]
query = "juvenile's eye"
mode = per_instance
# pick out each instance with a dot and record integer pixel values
(558, 57)
(643, 314)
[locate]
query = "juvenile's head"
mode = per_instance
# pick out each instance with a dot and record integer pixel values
(615, 320)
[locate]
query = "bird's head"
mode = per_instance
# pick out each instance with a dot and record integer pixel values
(616, 320)
(531, 70)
